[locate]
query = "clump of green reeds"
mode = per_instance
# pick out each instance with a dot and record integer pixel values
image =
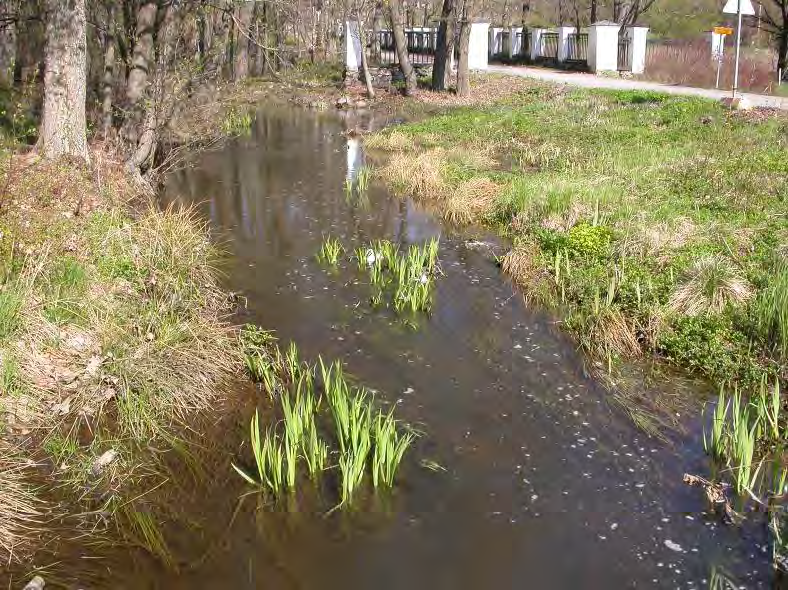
(363, 178)
(236, 122)
(330, 251)
(742, 428)
(771, 310)
(390, 447)
(365, 441)
(407, 278)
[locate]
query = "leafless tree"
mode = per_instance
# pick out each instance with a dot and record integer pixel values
(63, 125)
(401, 46)
(774, 19)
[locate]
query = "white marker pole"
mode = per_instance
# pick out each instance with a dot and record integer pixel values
(719, 59)
(738, 48)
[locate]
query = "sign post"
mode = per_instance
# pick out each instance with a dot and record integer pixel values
(719, 50)
(739, 8)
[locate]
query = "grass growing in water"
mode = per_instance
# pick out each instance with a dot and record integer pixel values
(236, 122)
(405, 281)
(330, 251)
(363, 444)
(363, 178)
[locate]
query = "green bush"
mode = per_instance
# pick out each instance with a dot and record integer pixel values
(712, 347)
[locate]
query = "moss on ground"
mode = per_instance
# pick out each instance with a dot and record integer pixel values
(655, 223)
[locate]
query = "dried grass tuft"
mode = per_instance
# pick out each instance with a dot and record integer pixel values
(610, 332)
(471, 201)
(419, 175)
(390, 141)
(710, 285)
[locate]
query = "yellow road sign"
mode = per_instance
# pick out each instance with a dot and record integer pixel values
(723, 30)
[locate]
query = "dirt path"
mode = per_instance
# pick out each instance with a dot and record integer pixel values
(592, 81)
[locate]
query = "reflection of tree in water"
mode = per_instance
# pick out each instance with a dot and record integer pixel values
(281, 189)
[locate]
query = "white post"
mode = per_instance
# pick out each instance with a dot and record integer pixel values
(720, 53)
(496, 41)
(738, 48)
(638, 37)
(352, 47)
(478, 46)
(536, 43)
(563, 42)
(515, 41)
(603, 47)
(717, 41)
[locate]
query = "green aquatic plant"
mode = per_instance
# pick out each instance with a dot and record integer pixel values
(315, 451)
(407, 277)
(361, 440)
(363, 178)
(767, 406)
(330, 251)
(237, 123)
(716, 443)
(268, 456)
(390, 447)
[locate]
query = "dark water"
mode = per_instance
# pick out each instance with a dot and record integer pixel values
(545, 485)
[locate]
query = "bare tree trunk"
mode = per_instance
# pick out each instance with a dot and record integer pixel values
(241, 67)
(7, 52)
(593, 16)
(63, 126)
(142, 57)
(376, 18)
(141, 63)
(463, 72)
(401, 45)
(441, 68)
(782, 50)
(364, 60)
(109, 69)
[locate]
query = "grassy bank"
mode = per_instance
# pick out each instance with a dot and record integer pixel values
(655, 224)
(112, 333)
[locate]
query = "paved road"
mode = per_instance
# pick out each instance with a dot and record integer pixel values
(592, 81)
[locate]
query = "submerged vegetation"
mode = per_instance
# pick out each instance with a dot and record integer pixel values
(330, 425)
(401, 280)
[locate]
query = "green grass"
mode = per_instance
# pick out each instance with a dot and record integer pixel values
(10, 307)
(236, 122)
(347, 432)
(67, 283)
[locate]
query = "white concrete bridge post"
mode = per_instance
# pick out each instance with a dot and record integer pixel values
(603, 47)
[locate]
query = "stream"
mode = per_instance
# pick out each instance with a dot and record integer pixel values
(543, 483)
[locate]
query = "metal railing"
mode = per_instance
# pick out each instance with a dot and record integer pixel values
(524, 38)
(624, 57)
(549, 46)
(421, 46)
(577, 48)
